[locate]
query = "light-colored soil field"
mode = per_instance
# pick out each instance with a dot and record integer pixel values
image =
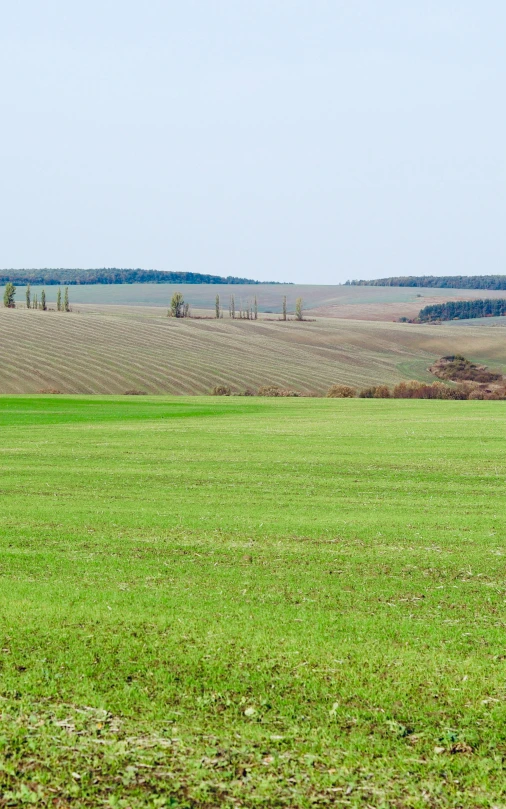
(133, 349)
(362, 303)
(266, 604)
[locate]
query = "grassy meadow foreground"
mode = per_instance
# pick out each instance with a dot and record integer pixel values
(283, 602)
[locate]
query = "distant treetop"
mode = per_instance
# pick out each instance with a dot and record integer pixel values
(112, 275)
(443, 281)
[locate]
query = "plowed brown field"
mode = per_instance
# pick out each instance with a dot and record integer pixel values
(136, 349)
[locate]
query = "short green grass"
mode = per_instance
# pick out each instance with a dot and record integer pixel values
(244, 602)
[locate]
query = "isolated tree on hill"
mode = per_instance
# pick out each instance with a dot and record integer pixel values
(28, 296)
(43, 305)
(58, 300)
(298, 309)
(66, 305)
(177, 306)
(255, 308)
(9, 295)
(232, 307)
(217, 306)
(283, 316)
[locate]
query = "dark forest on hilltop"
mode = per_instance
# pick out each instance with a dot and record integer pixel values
(112, 275)
(443, 281)
(491, 307)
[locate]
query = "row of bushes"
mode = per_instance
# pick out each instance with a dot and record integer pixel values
(404, 390)
(418, 390)
(265, 390)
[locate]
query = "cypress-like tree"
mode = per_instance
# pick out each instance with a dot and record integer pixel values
(43, 305)
(283, 317)
(217, 306)
(298, 309)
(58, 300)
(255, 308)
(9, 294)
(35, 304)
(232, 307)
(66, 305)
(28, 296)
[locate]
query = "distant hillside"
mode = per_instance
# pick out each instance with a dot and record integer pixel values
(113, 353)
(112, 275)
(444, 281)
(489, 307)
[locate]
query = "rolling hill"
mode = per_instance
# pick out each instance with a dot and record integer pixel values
(350, 302)
(135, 349)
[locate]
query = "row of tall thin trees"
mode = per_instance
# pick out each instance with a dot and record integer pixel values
(178, 308)
(33, 302)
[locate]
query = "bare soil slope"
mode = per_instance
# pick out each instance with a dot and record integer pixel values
(106, 353)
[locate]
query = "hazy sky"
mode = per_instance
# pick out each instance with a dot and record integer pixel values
(308, 141)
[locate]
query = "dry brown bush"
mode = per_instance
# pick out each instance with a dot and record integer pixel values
(49, 390)
(476, 394)
(495, 395)
(405, 390)
(382, 392)
(458, 368)
(422, 390)
(221, 390)
(375, 392)
(275, 390)
(134, 392)
(341, 392)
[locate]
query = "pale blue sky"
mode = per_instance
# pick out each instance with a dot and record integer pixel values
(305, 141)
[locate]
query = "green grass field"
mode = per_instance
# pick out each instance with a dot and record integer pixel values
(244, 602)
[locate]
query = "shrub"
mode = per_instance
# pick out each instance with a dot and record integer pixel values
(221, 390)
(49, 390)
(375, 392)
(494, 395)
(405, 390)
(437, 390)
(134, 392)
(457, 368)
(341, 392)
(456, 394)
(275, 390)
